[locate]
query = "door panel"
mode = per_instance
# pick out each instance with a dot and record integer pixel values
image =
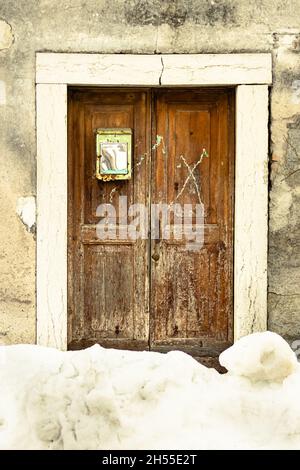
(108, 279)
(157, 294)
(191, 290)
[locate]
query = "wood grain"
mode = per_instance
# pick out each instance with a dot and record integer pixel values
(119, 295)
(192, 291)
(108, 280)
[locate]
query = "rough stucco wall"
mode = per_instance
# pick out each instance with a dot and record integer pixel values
(145, 26)
(284, 236)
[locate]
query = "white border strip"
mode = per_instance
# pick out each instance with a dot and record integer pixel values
(216, 69)
(52, 198)
(56, 71)
(251, 210)
(154, 70)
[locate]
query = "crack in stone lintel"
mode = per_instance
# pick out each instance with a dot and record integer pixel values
(162, 70)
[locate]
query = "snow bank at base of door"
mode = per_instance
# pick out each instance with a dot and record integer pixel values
(108, 399)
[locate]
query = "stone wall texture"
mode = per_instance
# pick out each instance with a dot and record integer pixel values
(149, 27)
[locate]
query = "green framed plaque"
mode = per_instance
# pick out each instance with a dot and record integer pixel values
(114, 154)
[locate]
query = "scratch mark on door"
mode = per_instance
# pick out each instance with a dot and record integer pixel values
(191, 170)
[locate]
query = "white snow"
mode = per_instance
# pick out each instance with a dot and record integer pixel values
(108, 399)
(260, 356)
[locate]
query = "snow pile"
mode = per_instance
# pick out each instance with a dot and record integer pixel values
(260, 356)
(108, 399)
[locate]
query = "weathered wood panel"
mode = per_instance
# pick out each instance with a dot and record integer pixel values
(108, 279)
(192, 290)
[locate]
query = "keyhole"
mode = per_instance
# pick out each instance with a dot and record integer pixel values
(176, 186)
(117, 330)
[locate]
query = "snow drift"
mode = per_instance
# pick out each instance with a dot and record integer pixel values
(108, 399)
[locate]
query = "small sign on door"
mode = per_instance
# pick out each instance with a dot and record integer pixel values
(114, 153)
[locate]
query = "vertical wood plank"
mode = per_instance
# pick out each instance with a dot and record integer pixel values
(51, 101)
(108, 295)
(251, 207)
(182, 316)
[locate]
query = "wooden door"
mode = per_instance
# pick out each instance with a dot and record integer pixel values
(108, 283)
(153, 294)
(191, 290)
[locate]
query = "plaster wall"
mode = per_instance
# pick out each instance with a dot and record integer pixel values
(148, 27)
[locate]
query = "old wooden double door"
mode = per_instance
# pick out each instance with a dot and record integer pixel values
(153, 293)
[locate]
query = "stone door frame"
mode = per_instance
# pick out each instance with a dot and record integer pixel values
(249, 73)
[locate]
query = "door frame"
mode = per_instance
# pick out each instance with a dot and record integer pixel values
(249, 73)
